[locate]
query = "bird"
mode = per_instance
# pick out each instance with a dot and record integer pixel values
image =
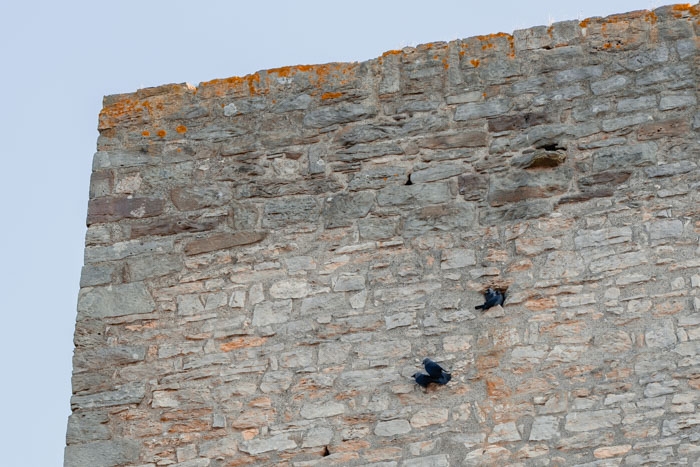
(492, 298)
(436, 374)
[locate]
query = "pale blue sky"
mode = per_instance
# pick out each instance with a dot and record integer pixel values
(60, 58)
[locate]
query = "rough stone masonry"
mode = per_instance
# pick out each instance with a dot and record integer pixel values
(269, 258)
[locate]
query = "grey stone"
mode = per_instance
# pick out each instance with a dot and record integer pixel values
(515, 211)
(609, 85)
(674, 168)
(275, 443)
(289, 289)
(437, 460)
(143, 267)
(619, 123)
(348, 283)
(637, 103)
(617, 262)
(276, 312)
(378, 178)
(592, 420)
(98, 274)
(130, 393)
(342, 209)
(665, 229)
(579, 74)
(378, 228)
(300, 102)
(106, 453)
(276, 381)
(317, 437)
(677, 102)
(193, 463)
(87, 426)
(624, 156)
(342, 113)
(392, 428)
(438, 218)
(475, 110)
(324, 303)
(457, 258)
(602, 237)
(322, 410)
(283, 212)
(424, 193)
(121, 250)
(439, 172)
(664, 74)
(115, 300)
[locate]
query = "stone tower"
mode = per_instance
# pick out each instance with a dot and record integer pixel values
(269, 259)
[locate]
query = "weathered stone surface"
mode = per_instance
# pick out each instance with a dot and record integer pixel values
(593, 420)
(324, 410)
(272, 312)
(624, 157)
(282, 212)
(476, 110)
(342, 210)
(115, 300)
(222, 241)
(343, 113)
(522, 186)
(392, 428)
(131, 393)
(199, 197)
(274, 443)
(115, 209)
(270, 257)
(113, 452)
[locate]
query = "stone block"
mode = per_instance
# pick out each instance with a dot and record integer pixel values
(592, 420)
(191, 198)
(276, 312)
(525, 185)
(114, 452)
(130, 393)
(475, 110)
(102, 210)
(392, 428)
(87, 426)
(115, 300)
(289, 289)
(274, 443)
(446, 217)
(341, 113)
(343, 209)
(622, 157)
(322, 410)
(222, 241)
(457, 258)
(290, 210)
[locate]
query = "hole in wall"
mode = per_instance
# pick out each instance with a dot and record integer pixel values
(552, 147)
(325, 451)
(409, 182)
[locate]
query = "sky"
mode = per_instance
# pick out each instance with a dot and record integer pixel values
(61, 58)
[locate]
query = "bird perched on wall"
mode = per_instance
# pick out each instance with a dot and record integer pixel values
(436, 374)
(491, 298)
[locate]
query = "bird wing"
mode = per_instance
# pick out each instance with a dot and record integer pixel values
(433, 369)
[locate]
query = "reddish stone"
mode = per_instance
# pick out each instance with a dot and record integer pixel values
(669, 128)
(115, 209)
(222, 241)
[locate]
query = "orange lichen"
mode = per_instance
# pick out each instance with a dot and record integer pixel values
(161, 133)
(249, 82)
(392, 52)
(145, 133)
(585, 23)
(242, 342)
(651, 17)
(489, 38)
(475, 62)
(683, 7)
(181, 129)
(331, 95)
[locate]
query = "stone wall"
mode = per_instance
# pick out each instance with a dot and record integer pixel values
(269, 258)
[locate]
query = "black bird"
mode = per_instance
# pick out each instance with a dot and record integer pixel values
(436, 374)
(492, 298)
